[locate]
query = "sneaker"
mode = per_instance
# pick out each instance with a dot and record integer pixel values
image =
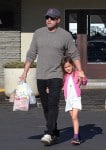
(46, 138)
(76, 141)
(55, 140)
(49, 140)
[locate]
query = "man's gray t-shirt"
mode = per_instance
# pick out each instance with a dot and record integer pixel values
(51, 47)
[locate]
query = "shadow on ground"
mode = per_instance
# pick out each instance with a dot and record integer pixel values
(87, 132)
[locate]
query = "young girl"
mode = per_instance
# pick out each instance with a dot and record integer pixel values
(72, 94)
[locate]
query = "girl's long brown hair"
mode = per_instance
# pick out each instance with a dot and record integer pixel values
(64, 60)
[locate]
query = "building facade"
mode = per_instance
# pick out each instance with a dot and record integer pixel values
(85, 20)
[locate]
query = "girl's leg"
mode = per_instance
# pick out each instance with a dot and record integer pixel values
(75, 121)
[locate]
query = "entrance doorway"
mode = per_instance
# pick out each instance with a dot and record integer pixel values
(88, 28)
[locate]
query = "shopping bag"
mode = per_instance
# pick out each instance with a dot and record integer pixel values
(12, 96)
(32, 99)
(22, 97)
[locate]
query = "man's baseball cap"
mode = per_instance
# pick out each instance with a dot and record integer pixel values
(53, 12)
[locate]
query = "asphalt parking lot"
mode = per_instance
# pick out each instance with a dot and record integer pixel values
(23, 130)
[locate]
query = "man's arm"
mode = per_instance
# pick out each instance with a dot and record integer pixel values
(81, 74)
(30, 57)
(78, 64)
(74, 53)
(26, 69)
(79, 67)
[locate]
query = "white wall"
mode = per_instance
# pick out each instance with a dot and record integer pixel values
(25, 42)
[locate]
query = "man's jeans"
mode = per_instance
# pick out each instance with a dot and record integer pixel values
(50, 101)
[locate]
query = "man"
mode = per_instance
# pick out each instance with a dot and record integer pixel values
(51, 43)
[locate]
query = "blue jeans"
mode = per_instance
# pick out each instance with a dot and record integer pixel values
(50, 102)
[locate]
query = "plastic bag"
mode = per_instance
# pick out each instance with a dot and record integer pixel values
(12, 96)
(32, 99)
(23, 97)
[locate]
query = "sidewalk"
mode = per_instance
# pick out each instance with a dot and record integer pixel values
(23, 130)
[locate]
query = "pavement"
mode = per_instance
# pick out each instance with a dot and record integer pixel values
(23, 130)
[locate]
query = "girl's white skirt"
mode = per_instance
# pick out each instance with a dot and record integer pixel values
(73, 103)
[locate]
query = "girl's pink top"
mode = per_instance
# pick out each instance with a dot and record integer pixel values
(76, 84)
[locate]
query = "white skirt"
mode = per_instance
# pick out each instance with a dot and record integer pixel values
(73, 103)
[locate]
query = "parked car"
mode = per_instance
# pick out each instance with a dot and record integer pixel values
(96, 50)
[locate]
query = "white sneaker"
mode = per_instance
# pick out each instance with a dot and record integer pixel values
(46, 139)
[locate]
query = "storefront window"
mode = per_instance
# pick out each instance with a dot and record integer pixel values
(96, 38)
(73, 26)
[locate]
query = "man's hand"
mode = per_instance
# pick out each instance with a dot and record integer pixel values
(81, 75)
(23, 77)
(26, 69)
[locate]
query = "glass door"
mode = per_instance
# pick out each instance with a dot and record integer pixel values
(96, 51)
(88, 28)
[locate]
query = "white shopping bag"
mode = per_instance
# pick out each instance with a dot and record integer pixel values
(22, 97)
(32, 99)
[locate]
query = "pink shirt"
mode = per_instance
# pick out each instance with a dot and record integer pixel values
(76, 84)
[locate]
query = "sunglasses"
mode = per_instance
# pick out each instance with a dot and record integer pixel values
(52, 18)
